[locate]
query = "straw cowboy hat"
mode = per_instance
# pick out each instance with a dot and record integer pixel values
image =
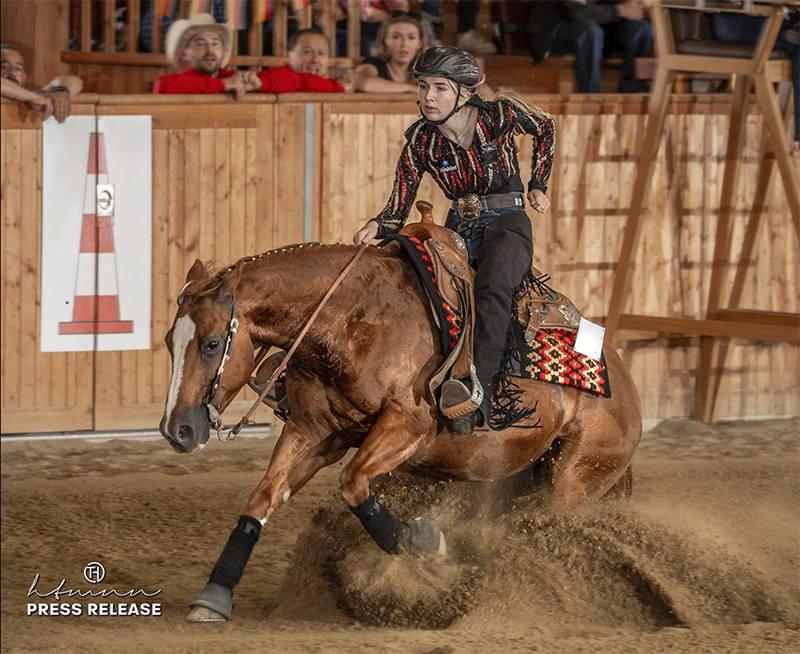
(183, 31)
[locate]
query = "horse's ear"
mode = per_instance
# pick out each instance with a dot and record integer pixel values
(195, 272)
(228, 287)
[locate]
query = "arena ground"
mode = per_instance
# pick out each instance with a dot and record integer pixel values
(705, 558)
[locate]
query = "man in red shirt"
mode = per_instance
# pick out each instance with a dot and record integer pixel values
(308, 62)
(200, 48)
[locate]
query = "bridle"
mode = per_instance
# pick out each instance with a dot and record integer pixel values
(214, 411)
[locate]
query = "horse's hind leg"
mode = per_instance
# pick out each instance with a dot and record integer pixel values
(623, 489)
(397, 434)
(584, 474)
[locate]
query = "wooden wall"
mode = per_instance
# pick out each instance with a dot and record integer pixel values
(228, 181)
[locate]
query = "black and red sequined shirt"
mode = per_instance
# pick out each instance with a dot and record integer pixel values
(490, 164)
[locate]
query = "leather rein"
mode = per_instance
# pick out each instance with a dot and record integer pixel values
(214, 411)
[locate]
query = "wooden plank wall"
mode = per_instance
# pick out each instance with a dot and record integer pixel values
(214, 199)
(40, 391)
(228, 181)
(578, 240)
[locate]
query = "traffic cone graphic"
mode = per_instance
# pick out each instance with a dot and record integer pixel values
(97, 247)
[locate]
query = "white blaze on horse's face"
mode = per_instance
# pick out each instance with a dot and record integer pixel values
(182, 335)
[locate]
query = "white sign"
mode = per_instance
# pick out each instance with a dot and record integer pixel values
(96, 234)
(589, 340)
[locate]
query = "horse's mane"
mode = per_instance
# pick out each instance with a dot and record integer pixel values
(214, 276)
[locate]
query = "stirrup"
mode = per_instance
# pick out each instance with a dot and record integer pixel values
(457, 399)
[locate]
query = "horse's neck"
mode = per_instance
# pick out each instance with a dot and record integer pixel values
(279, 290)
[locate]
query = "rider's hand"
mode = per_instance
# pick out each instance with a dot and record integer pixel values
(366, 233)
(538, 200)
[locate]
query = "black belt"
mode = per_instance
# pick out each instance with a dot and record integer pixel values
(471, 206)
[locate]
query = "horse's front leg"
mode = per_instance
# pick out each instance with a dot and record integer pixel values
(397, 434)
(295, 460)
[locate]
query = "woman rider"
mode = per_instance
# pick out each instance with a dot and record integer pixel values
(467, 145)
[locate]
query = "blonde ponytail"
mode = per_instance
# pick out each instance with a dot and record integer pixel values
(518, 101)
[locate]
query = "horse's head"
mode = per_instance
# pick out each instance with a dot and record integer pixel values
(204, 333)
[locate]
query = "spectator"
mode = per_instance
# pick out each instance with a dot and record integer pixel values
(373, 14)
(588, 29)
(400, 40)
(467, 37)
(52, 100)
(743, 29)
(199, 49)
(308, 63)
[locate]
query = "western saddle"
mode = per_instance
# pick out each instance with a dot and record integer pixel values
(540, 308)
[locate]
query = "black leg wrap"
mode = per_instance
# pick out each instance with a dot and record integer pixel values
(230, 566)
(384, 528)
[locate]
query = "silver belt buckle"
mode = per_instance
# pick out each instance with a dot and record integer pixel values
(469, 206)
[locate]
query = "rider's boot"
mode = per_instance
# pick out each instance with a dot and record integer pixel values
(460, 401)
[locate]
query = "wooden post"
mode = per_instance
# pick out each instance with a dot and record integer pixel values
(644, 174)
(709, 394)
(353, 29)
(134, 22)
(109, 34)
(86, 25)
(279, 28)
(702, 406)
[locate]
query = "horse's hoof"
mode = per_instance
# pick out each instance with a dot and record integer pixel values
(425, 538)
(203, 614)
(213, 604)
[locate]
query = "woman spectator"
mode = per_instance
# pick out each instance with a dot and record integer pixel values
(400, 39)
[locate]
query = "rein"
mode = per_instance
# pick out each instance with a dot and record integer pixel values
(213, 412)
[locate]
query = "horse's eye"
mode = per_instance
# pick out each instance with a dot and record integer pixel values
(211, 347)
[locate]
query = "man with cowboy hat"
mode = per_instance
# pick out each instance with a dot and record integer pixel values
(199, 49)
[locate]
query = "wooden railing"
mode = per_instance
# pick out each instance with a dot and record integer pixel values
(86, 14)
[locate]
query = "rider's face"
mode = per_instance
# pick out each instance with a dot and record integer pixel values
(437, 97)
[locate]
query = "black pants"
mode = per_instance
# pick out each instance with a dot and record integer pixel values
(500, 248)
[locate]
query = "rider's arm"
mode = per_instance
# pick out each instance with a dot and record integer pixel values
(542, 127)
(406, 183)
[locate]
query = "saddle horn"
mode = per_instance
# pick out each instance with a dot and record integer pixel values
(426, 211)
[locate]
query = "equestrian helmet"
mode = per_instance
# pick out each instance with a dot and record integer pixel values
(449, 62)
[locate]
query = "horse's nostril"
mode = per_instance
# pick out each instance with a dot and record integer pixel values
(184, 433)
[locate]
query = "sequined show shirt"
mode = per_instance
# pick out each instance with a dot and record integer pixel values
(490, 164)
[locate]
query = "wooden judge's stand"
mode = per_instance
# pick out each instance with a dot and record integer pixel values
(761, 67)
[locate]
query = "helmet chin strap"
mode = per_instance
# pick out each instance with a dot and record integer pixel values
(455, 110)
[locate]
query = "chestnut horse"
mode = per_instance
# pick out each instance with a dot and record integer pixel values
(359, 380)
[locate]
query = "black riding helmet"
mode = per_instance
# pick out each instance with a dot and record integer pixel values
(451, 63)
(447, 61)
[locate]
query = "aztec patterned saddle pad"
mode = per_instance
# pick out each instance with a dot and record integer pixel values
(550, 357)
